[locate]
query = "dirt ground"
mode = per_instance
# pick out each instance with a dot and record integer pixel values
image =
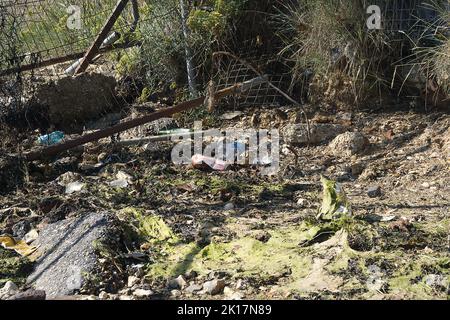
(259, 233)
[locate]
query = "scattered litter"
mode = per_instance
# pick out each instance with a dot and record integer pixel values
(174, 131)
(123, 180)
(231, 115)
(334, 202)
(52, 138)
(389, 218)
(74, 187)
(21, 247)
(201, 162)
(119, 183)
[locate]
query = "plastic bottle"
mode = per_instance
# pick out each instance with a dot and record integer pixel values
(52, 138)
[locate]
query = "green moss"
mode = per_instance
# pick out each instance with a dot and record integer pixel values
(13, 267)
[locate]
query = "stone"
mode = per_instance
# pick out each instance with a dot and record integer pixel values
(103, 295)
(132, 281)
(297, 134)
(177, 283)
(138, 270)
(190, 274)
(194, 288)
(9, 289)
(31, 236)
(67, 178)
(20, 229)
(143, 293)
(374, 192)
(229, 206)
(348, 144)
(175, 293)
(68, 252)
(30, 294)
(239, 284)
(214, 287)
(73, 187)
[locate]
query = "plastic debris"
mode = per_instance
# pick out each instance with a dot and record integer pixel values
(231, 115)
(200, 162)
(123, 180)
(52, 138)
(174, 131)
(20, 246)
(119, 183)
(334, 203)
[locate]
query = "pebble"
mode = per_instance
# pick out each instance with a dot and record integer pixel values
(228, 206)
(132, 280)
(9, 289)
(31, 236)
(177, 283)
(194, 288)
(175, 293)
(142, 293)
(214, 287)
(374, 192)
(103, 295)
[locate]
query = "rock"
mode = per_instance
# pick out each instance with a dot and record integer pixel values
(126, 298)
(103, 295)
(297, 134)
(20, 229)
(8, 290)
(262, 235)
(73, 187)
(143, 293)
(175, 293)
(30, 294)
(177, 283)
(239, 284)
(348, 144)
(374, 192)
(31, 236)
(229, 206)
(194, 288)
(138, 270)
(132, 280)
(190, 274)
(357, 168)
(68, 252)
(214, 287)
(67, 178)
(231, 294)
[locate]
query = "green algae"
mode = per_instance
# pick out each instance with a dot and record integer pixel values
(13, 267)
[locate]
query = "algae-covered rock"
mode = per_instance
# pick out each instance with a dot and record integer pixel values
(13, 267)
